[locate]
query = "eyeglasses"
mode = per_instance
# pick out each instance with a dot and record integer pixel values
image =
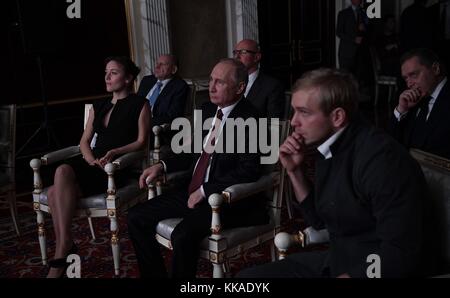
(243, 52)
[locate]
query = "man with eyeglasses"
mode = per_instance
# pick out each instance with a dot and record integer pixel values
(263, 91)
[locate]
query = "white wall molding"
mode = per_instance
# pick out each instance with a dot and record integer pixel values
(149, 32)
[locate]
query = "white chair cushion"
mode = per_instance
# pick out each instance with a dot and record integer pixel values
(130, 191)
(233, 236)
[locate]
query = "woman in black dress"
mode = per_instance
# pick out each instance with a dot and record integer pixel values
(122, 125)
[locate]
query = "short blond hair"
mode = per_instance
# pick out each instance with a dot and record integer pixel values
(336, 89)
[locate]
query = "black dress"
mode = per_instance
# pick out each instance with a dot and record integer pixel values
(122, 129)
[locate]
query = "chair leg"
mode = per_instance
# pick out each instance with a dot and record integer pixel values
(91, 227)
(273, 252)
(218, 271)
(41, 233)
(226, 268)
(115, 245)
(13, 209)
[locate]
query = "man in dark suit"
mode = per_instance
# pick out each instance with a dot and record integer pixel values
(415, 27)
(211, 173)
(422, 115)
(439, 14)
(263, 91)
(368, 191)
(351, 29)
(166, 92)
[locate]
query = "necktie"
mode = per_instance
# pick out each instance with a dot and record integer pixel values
(420, 130)
(424, 109)
(202, 165)
(155, 93)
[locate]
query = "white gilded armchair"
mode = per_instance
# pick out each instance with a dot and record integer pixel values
(224, 244)
(108, 204)
(437, 174)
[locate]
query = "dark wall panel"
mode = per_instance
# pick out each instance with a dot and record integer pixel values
(199, 35)
(71, 50)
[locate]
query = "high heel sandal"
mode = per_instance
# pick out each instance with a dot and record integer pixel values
(62, 262)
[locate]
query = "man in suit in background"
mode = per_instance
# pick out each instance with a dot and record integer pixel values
(439, 14)
(211, 173)
(368, 191)
(352, 30)
(422, 116)
(166, 92)
(263, 91)
(415, 27)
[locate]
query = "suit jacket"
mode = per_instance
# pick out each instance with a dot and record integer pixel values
(369, 197)
(267, 95)
(438, 126)
(227, 169)
(170, 103)
(415, 28)
(346, 31)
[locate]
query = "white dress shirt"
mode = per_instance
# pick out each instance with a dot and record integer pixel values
(164, 84)
(251, 79)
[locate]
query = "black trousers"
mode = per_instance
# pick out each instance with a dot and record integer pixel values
(303, 265)
(186, 237)
(188, 234)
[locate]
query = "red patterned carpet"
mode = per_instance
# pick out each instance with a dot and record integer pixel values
(20, 256)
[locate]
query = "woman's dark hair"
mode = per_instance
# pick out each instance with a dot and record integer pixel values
(128, 65)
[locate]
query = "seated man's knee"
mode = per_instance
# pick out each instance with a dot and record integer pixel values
(138, 218)
(181, 237)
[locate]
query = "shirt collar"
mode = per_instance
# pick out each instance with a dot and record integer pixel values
(164, 82)
(324, 149)
(227, 110)
(437, 90)
(252, 77)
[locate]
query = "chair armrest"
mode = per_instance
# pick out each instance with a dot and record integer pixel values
(177, 175)
(59, 155)
(128, 159)
(313, 236)
(284, 240)
(309, 236)
(158, 128)
(240, 191)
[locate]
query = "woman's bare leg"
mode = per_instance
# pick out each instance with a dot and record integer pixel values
(51, 198)
(62, 201)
